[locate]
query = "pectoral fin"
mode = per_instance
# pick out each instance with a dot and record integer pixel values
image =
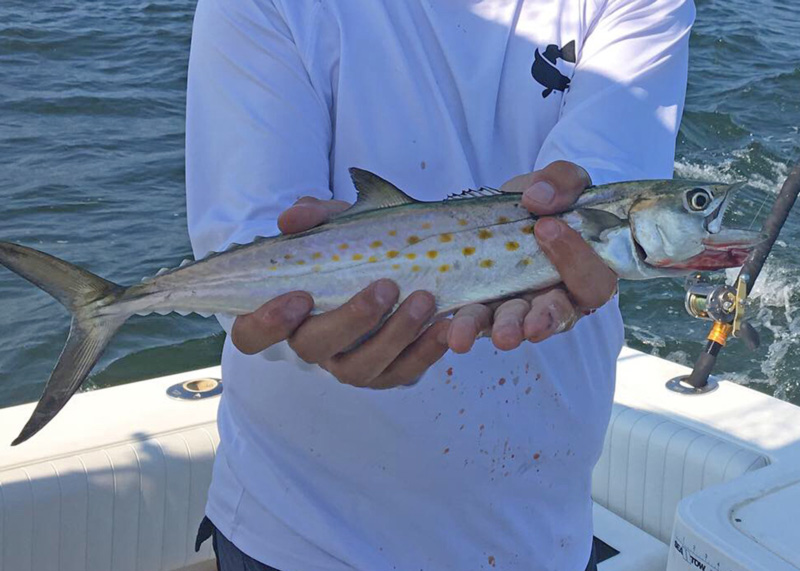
(595, 222)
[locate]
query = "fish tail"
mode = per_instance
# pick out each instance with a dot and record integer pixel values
(568, 52)
(83, 294)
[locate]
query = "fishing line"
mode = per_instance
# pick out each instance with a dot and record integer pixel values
(763, 203)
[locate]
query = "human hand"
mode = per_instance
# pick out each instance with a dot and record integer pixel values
(588, 282)
(396, 354)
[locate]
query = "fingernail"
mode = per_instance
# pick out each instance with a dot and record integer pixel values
(548, 229)
(420, 307)
(303, 206)
(557, 322)
(541, 193)
(296, 308)
(385, 293)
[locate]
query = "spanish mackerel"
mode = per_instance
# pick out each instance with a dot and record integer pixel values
(473, 247)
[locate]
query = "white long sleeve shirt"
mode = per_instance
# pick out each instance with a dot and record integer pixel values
(486, 462)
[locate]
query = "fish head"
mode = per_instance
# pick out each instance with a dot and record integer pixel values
(681, 227)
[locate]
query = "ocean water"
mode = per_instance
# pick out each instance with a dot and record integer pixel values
(91, 170)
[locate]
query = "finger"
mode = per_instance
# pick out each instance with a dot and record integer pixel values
(271, 323)
(323, 336)
(416, 358)
(590, 282)
(550, 313)
(507, 332)
(466, 325)
(360, 366)
(551, 189)
(308, 212)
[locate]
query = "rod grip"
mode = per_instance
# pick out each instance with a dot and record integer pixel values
(702, 369)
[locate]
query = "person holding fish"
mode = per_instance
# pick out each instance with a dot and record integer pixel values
(479, 453)
(487, 316)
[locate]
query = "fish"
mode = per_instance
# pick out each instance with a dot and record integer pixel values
(548, 75)
(476, 246)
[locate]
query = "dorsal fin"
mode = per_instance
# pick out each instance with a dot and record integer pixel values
(375, 192)
(479, 193)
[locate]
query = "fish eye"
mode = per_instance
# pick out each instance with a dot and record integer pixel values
(698, 199)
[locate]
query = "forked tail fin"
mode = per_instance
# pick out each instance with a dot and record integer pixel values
(83, 294)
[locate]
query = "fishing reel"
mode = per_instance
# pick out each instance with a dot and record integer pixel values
(724, 305)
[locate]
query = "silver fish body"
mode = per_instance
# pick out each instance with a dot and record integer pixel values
(475, 247)
(462, 251)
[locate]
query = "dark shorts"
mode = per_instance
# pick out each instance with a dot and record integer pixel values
(230, 558)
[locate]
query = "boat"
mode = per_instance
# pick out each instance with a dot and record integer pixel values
(118, 481)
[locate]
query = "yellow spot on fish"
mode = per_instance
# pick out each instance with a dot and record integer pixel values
(288, 257)
(357, 257)
(511, 246)
(343, 246)
(526, 261)
(392, 254)
(445, 237)
(316, 255)
(376, 244)
(372, 259)
(317, 267)
(301, 262)
(462, 222)
(413, 239)
(273, 268)
(527, 229)
(426, 226)
(486, 263)
(335, 258)
(502, 219)
(485, 234)
(444, 267)
(432, 254)
(415, 268)
(392, 232)
(468, 251)
(411, 255)
(395, 266)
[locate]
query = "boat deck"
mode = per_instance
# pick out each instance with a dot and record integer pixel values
(684, 482)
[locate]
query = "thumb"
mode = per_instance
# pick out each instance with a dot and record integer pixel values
(552, 189)
(308, 212)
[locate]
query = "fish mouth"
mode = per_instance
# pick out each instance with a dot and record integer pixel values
(727, 248)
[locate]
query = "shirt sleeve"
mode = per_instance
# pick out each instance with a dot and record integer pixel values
(258, 134)
(620, 117)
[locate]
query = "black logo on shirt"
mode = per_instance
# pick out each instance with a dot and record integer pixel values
(544, 69)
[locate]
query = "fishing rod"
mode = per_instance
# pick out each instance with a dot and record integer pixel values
(725, 304)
